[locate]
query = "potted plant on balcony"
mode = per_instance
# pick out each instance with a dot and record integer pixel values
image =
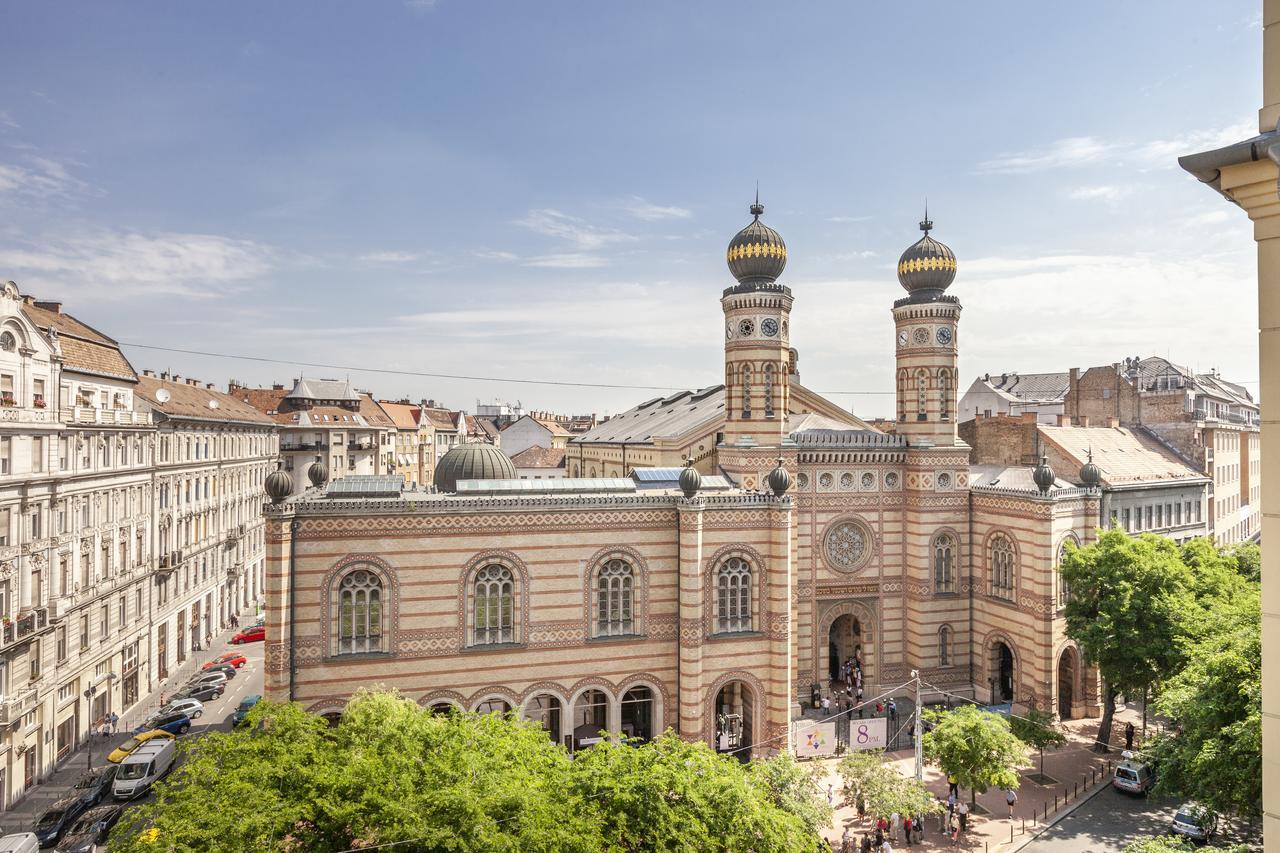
(38, 402)
(6, 399)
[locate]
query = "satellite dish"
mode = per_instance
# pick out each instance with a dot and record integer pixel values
(163, 395)
(213, 404)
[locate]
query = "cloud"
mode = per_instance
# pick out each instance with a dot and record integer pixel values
(567, 261)
(1103, 193)
(389, 257)
(111, 264)
(641, 209)
(496, 255)
(6, 120)
(1073, 151)
(42, 177)
(1164, 153)
(553, 223)
(849, 218)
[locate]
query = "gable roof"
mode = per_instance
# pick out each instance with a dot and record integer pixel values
(661, 417)
(194, 402)
(403, 415)
(322, 389)
(84, 348)
(373, 413)
(1124, 456)
(1029, 387)
(539, 457)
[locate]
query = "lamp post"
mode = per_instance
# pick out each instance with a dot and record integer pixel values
(88, 752)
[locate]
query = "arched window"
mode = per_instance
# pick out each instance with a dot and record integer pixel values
(1001, 564)
(922, 384)
(944, 551)
(615, 599)
(904, 388)
(360, 613)
(1064, 590)
(944, 395)
(733, 596)
(494, 594)
(768, 390)
(746, 390)
(944, 646)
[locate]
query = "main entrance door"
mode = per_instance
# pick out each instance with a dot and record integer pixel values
(1002, 672)
(844, 641)
(735, 717)
(1066, 683)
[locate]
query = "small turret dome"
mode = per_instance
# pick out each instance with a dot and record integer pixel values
(1043, 475)
(757, 252)
(1090, 474)
(690, 480)
(278, 485)
(779, 480)
(318, 473)
(927, 268)
(473, 462)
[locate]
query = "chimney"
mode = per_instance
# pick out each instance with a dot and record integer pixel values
(55, 307)
(150, 373)
(208, 386)
(986, 413)
(1084, 420)
(177, 377)
(1064, 420)
(277, 387)
(1028, 417)
(1113, 423)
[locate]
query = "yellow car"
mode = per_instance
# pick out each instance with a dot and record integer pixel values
(122, 751)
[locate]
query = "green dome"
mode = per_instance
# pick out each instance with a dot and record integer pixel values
(473, 462)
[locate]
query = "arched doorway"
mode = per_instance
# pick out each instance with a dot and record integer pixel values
(1067, 667)
(442, 709)
(1001, 672)
(590, 717)
(545, 710)
(493, 706)
(637, 713)
(844, 641)
(333, 718)
(735, 718)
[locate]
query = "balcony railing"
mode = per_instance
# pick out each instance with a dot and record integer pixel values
(24, 626)
(303, 446)
(118, 417)
(12, 709)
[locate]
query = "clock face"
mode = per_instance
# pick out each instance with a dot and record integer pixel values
(769, 326)
(944, 335)
(902, 338)
(745, 328)
(920, 337)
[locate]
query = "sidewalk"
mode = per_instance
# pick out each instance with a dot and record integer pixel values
(1077, 769)
(23, 814)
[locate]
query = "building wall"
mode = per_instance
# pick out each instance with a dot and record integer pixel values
(523, 434)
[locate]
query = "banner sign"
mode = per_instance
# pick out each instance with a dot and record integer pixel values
(814, 740)
(869, 734)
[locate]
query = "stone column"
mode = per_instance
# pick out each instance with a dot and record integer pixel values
(780, 701)
(276, 665)
(690, 630)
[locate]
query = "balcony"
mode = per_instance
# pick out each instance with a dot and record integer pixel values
(24, 626)
(110, 417)
(301, 446)
(361, 445)
(10, 415)
(11, 710)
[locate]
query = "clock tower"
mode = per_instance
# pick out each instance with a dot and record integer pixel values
(757, 331)
(926, 325)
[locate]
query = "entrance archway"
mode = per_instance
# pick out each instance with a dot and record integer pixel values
(1068, 666)
(493, 706)
(844, 641)
(844, 629)
(545, 710)
(1001, 672)
(590, 717)
(637, 713)
(735, 719)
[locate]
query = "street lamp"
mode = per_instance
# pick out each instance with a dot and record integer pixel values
(88, 751)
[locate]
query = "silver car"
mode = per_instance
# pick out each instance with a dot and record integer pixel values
(193, 708)
(1195, 822)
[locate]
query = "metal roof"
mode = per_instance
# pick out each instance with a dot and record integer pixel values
(367, 486)
(650, 479)
(564, 485)
(660, 417)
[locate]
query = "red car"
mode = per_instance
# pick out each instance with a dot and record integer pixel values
(231, 658)
(250, 635)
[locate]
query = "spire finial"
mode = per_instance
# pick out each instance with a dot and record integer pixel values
(757, 208)
(925, 224)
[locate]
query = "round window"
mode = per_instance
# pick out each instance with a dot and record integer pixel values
(891, 480)
(848, 545)
(944, 480)
(846, 481)
(868, 480)
(825, 481)
(802, 481)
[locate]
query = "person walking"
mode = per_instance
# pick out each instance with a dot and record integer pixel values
(1129, 732)
(893, 712)
(1011, 797)
(831, 795)
(963, 810)
(895, 825)
(954, 783)
(865, 847)
(906, 828)
(826, 705)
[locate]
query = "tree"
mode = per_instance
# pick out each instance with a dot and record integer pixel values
(1130, 600)
(1248, 557)
(1214, 752)
(874, 787)
(1038, 730)
(793, 787)
(1160, 844)
(977, 747)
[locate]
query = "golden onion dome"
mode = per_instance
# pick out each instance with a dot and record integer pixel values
(927, 267)
(757, 252)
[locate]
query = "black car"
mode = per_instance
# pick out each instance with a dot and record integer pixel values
(57, 819)
(95, 785)
(203, 692)
(225, 668)
(90, 830)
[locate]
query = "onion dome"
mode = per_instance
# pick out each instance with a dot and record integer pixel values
(473, 462)
(779, 480)
(928, 267)
(1043, 475)
(278, 485)
(318, 473)
(1090, 474)
(757, 253)
(690, 479)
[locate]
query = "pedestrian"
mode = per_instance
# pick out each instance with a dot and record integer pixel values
(1011, 797)
(955, 785)
(882, 826)
(161, 698)
(952, 799)
(906, 828)
(859, 694)
(865, 847)
(235, 621)
(893, 711)
(879, 840)
(963, 810)
(895, 825)
(115, 721)
(831, 795)
(918, 823)
(844, 840)
(1129, 732)
(886, 847)
(826, 705)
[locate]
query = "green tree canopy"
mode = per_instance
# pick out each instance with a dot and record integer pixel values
(977, 747)
(1160, 844)
(1248, 557)
(1131, 597)
(1039, 730)
(876, 788)
(392, 771)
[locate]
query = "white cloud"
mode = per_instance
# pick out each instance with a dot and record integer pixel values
(389, 257)
(1073, 151)
(641, 209)
(496, 255)
(553, 223)
(42, 177)
(567, 261)
(1102, 193)
(1210, 217)
(1164, 153)
(107, 265)
(6, 120)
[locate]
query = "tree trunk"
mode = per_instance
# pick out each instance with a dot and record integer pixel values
(1042, 761)
(1103, 741)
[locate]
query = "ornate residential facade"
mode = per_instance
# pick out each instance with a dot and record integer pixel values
(623, 598)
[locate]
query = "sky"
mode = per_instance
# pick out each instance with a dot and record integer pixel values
(544, 191)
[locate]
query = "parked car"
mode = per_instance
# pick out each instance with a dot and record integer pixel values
(191, 707)
(1133, 777)
(121, 752)
(213, 676)
(57, 819)
(147, 764)
(230, 658)
(256, 634)
(201, 692)
(174, 723)
(20, 842)
(1194, 821)
(242, 712)
(90, 830)
(95, 785)
(225, 668)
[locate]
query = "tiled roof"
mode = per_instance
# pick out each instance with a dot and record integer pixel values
(1123, 455)
(322, 389)
(555, 428)
(539, 457)
(441, 419)
(373, 413)
(193, 401)
(84, 348)
(404, 415)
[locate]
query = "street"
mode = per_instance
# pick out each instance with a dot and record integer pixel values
(1109, 821)
(215, 716)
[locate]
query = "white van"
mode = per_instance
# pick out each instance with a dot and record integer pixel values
(22, 842)
(143, 766)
